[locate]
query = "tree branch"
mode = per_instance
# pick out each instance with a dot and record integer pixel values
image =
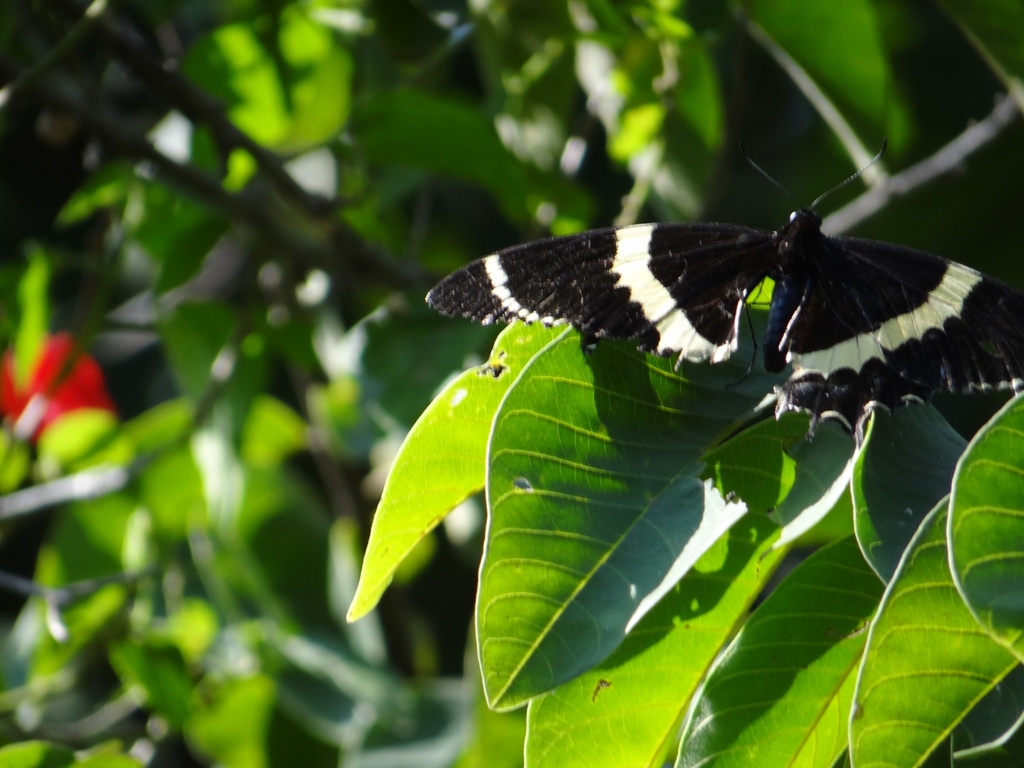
(198, 106)
(342, 248)
(946, 160)
(335, 247)
(30, 76)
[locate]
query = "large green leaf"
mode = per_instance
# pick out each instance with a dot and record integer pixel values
(636, 698)
(996, 27)
(927, 662)
(442, 461)
(663, 658)
(1006, 752)
(995, 718)
(823, 468)
(597, 504)
(986, 526)
(779, 677)
(826, 744)
(409, 352)
(904, 467)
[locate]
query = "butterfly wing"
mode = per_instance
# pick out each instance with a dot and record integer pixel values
(885, 322)
(675, 288)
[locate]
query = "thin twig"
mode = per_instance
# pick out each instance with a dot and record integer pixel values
(68, 593)
(873, 175)
(90, 484)
(99, 722)
(948, 159)
(40, 687)
(31, 76)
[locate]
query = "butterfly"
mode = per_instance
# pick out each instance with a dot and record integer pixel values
(862, 323)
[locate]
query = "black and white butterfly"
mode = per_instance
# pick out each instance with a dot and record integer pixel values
(862, 323)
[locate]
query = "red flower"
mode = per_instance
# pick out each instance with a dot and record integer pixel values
(82, 386)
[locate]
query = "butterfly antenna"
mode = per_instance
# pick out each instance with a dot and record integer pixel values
(767, 176)
(857, 175)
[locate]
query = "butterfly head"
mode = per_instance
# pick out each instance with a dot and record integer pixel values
(800, 235)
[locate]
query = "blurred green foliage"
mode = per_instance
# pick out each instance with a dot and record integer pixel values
(237, 207)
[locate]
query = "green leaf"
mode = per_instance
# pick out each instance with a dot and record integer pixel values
(778, 678)
(14, 461)
(320, 94)
(497, 739)
(996, 28)
(640, 126)
(995, 718)
(756, 463)
(699, 95)
(106, 188)
(160, 425)
(160, 672)
(665, 656)
(85, 541)
(86, 621)
(823, 468)
(826, 743)
(285, 528)
(636, 698)
(776, 470)
(923, 646)
(177, 233)
(904, 467)
(194, 334)
(987, 523)
(1006, 752)
(84, 438)
(428, 730)
(35, 754)
(333, 693)
(596, 502)
(272, 432)
(442, 461)
(408, 352)
(172, 489)
(839, 44)
(413, 128)
(192, 628)
(35, 315)
(233, 65)
(107, 759)
(232, 727)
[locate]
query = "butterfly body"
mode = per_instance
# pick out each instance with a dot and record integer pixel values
(862, 323)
